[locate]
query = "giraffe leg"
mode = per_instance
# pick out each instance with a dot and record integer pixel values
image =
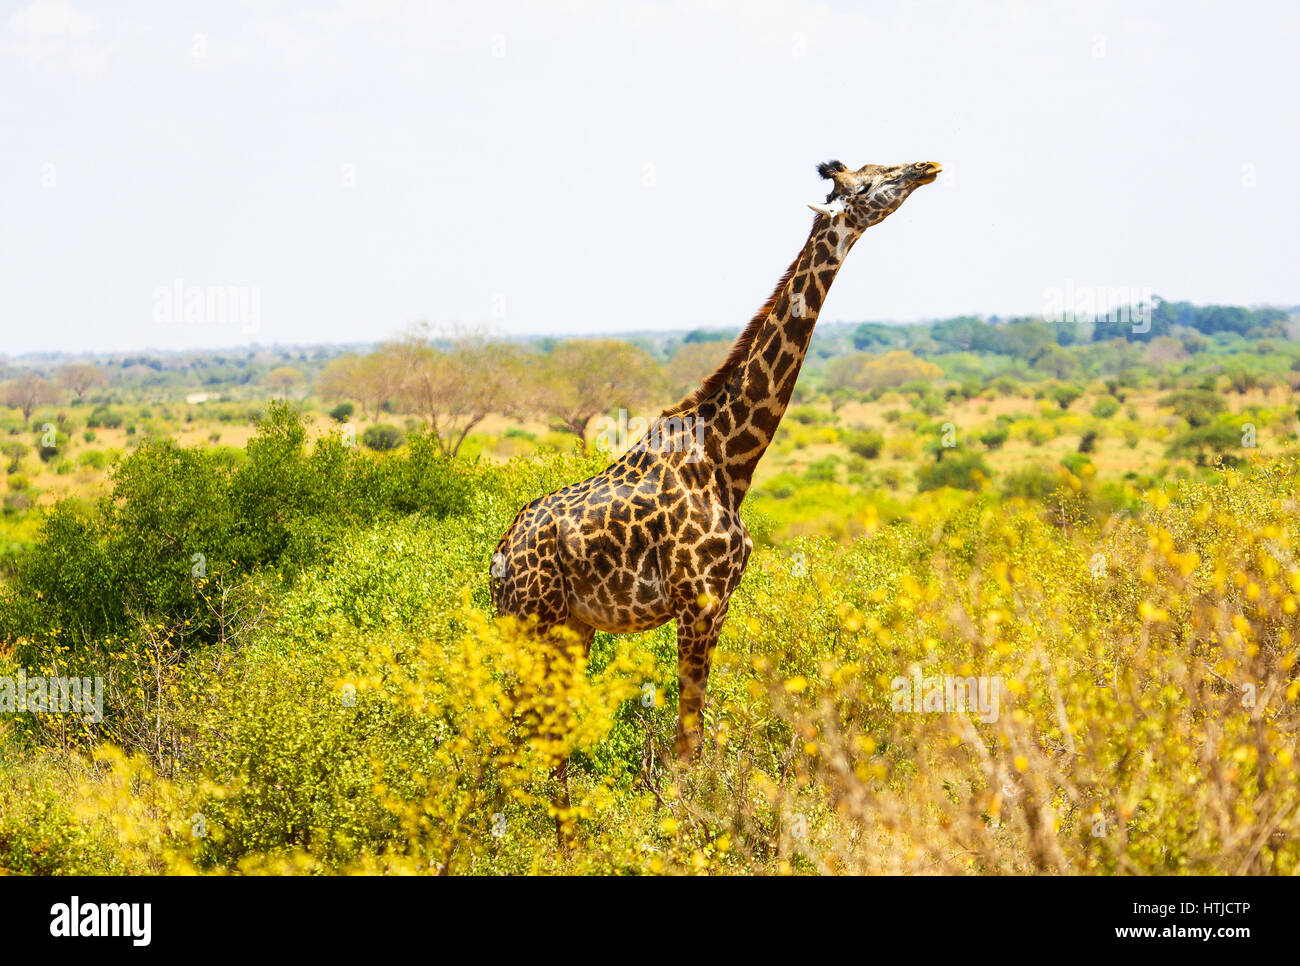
(562, 805)
(586, 634)
(697, 634)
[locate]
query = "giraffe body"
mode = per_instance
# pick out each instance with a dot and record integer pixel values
(657, 536)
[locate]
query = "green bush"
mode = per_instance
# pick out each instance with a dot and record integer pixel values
(824, 470)
(811, 416)
(1075, 462)
(1197, 406)
(39, 830)
(1219, 442)
(994, 438)
(104, 417)
(14, 451)
(1105, 407)
(376, 721)
(1032, 483)
(177, 520)
(318, 747)
(18, 502)
(1065, 395)
(383, 437)
(961, 471)
(49, 446)
(866, 443)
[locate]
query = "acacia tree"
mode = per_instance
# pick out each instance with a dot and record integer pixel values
(693, 363)
(583, 378)
(337, 381)
(455, 388)
(80, 378)
(284, 379)
(373, 380)
(27, 392)
(862, 371)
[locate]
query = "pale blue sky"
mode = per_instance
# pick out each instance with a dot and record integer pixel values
(600, 167)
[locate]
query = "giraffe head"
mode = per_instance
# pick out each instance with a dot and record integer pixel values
(873, 192)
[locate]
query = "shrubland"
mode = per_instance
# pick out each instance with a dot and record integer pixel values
(329, 692)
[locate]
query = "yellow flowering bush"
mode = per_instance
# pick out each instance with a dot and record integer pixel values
(1127, 683)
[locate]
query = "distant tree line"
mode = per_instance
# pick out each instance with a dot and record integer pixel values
(454, 387)
(1027, 337)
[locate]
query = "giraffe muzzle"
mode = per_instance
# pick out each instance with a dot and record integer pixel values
(929, 170)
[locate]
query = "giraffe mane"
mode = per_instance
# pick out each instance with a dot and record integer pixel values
(740, 348)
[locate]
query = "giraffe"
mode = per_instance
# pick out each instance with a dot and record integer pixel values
(657, 536)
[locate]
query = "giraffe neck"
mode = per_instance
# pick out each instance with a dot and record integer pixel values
(757, 392)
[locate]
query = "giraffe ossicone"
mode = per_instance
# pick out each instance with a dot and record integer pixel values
(830, 210)
(657, 535)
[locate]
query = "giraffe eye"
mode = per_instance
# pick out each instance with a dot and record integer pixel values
(864, 189)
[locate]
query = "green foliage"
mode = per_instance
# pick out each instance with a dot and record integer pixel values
(14, 451)
(873, 336)
(1105, 407)
(959, 470)
(1075, 462)
(39, 830)
(323, 566)
(382, 437)
(104, 417)
(49, 447)
(1243, 380)
(378, 722)
(866, 443)
(994, 437)
(823, 470)
(707, 335)
(18, 502)
(1218, 442)
(1034, 483)
(1214, 319)
(1197, 406)
(1065, 395)
(179, 520)
(864, 371)
(318, 746)
(811, 416)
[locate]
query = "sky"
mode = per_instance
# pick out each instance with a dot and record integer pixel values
(184, 175)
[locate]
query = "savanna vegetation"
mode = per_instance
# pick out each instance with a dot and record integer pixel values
(287, 604)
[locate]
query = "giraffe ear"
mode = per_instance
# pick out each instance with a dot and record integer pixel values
(830, 169)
